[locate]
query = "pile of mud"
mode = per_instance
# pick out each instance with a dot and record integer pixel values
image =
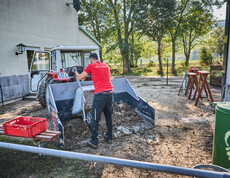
(125, 122)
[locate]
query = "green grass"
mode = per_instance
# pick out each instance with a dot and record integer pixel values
(14, 163)
(152, 71)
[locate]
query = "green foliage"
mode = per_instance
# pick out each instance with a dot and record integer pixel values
(153, 20)
(214, 41)
(22, 164)
(217, 36)
(183, 10)
(151, 64)
(123, 13)
(135, 49)
(182, 63)
(218, 74)
(95, 22)
(113, 56)
(152, 71)
(133, 30)
(149, 49)
(115, 72)
(196, 63)
(205, 56)
(175, 21)
(196, 23)
(182, 69)
(144, 71)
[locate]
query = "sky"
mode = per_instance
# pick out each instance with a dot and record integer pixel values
(220, 13)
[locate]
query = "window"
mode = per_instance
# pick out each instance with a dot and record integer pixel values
(70, 59)
(53, 61)
(86, 59)
(41, 61)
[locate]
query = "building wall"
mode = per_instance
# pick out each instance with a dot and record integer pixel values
(39, 24)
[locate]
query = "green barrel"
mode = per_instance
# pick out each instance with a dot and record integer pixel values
(221, 143)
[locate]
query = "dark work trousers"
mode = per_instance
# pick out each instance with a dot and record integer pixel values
(101, 103)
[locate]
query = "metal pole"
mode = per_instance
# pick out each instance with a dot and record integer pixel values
(1, 94)
(116, 161)
(210, 70)
(167, 83)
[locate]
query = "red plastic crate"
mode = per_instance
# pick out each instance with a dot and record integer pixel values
(25, 126)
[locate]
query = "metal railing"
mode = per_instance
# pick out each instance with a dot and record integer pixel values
(116, 161)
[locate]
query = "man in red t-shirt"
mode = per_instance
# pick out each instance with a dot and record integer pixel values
(103, 97)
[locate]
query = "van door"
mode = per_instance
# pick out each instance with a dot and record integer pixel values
(40, 65)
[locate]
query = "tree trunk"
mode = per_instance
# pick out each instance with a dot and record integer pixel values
(125, 56)
(132, 56)
(100, 53)
(159, 58)
(126, 64)
(136, 63)
(123, 44)
(221, 54)
(187, 57)
(173, 56)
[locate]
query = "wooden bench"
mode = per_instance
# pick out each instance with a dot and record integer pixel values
(46, 135)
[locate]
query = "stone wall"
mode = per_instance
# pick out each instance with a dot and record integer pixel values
(13, 87)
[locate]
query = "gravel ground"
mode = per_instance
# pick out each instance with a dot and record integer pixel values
(182, 136)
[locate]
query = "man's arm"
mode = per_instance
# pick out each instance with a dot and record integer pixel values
(80, 76)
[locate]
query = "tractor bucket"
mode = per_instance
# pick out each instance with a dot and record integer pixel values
(60, 99)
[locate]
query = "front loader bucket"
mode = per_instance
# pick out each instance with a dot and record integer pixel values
(60, 99)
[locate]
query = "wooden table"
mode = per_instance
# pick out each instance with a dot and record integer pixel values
(192, 83)
(205, 86)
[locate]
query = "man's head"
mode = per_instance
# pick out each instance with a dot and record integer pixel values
(93, 57)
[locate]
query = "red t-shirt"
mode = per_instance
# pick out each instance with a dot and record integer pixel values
(100, 74)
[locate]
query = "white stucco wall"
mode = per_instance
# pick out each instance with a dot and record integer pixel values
(36, 23)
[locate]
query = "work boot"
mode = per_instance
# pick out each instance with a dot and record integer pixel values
(106, 139)
(89, 142)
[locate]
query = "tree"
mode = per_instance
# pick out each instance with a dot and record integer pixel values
(178, 17)
(95, 16)
(149, 49)
(218, 40)
(153, 21)
(196, 23)
(205, 56)
(123, 13)
(112, 23)
(135, 49)
(174, 27)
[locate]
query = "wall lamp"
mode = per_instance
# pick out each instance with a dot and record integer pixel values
(21, 48)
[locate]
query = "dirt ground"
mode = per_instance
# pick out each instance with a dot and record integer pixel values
(182, 135)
